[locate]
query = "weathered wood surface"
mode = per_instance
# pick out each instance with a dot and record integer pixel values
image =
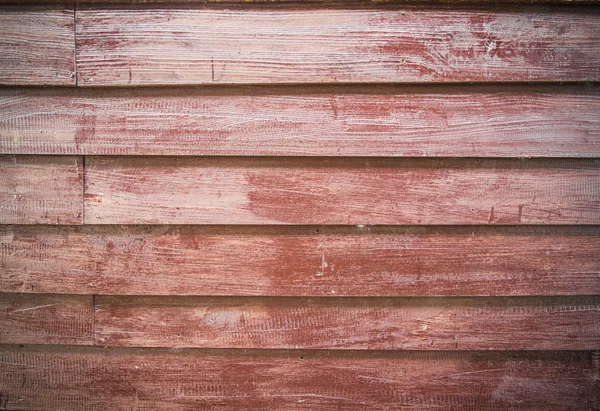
(37, 45)
(158, 46)
(525, 323)
(301, 261)
(86, 378)
(41, 190)
(45, 319)
(194, 190)
(337, 3)
(464, 121)
(270, 277)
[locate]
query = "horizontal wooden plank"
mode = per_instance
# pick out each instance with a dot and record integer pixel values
(158, 46)
(304, 121)
(530, 323)
(87, 378)
(354, 3)
(46, 319)
(41, 190)
(417, 3)
(37, 45)
(195, 190)
(301, 261)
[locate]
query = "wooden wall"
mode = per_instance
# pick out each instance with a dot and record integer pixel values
(300, 205)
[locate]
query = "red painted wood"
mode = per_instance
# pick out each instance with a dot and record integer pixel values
(37, 45)
(45, 319)
(269, 250)
(76, 378)
(41, 190)
(301, 261)
(532, 323)
(313, 121)
(157, 46)
(167, 190)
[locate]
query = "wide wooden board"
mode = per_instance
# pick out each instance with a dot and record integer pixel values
(531, 323)
(41, 190)
(194, 190)
(301, 261)
(86, 378)
(37, 45)
(158, 46)
(438, 121)
(45, 319)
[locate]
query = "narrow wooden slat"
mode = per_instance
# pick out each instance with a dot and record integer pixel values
(152, 45)
(45, 319)
(339, 121)
(414, 3)
(86, 378)
(41, 190)
(301, 261)
(531, 323)
(37, 45)
(192, 190)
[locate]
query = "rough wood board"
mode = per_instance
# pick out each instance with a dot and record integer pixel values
(301, 261)
(158, 46)
(37, 45)
(45, 319)
(86, 378)
(41, 190)
(531, 323)
(194, 190)
(340, 3)
(465, 121)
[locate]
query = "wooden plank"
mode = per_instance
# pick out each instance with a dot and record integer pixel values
(158, 46)
(41, 190)
(193, 190)
(530, 323)
(46, 319)
(378, 3)
(416, 3)
(468, 121)
(88, 378)
(37, 45)
(301, 261)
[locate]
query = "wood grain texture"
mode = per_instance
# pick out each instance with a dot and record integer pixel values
(45, 319)
(460, 121)
(86, 378)
(301, 261)
(41, 190)
(37, 45)
(194, 190)
(531, 323)
(158, 46)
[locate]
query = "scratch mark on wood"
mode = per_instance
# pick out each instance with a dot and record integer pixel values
(520, 212)
(34, 308)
